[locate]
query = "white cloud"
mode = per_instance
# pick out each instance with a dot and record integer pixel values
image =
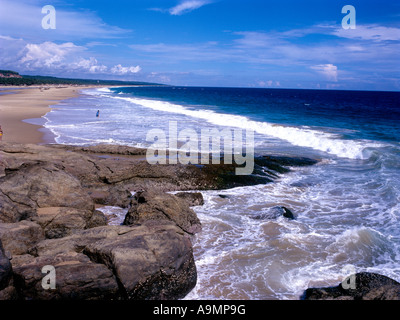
(23, 18)
(47, 54)
(369, 32)
(187, 6)
(328, 70)
(120, 70)
(90, 65)
(52, 58)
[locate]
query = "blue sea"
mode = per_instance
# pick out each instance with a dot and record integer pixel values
(347, 206)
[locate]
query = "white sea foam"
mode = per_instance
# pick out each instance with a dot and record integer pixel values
(298, 136)
(104, 90)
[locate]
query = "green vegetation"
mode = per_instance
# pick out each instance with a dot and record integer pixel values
(12, 78)
(9, 73)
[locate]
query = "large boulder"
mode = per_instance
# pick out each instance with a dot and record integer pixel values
(58, 222)
(19, 237)
(149, 261)
(39, 185)
(152, 205)
(76, 277)
(368, 286)
(153, 261)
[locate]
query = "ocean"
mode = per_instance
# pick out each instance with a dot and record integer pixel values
(347, 206)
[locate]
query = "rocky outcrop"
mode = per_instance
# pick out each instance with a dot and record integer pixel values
(149, 261)
(368, 286)
(48, 218)
(150, 205)
(109, 173)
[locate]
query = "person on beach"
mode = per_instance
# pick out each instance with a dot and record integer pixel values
(98, 113)
(1, 133)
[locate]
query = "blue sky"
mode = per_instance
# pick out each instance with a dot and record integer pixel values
(253, 43)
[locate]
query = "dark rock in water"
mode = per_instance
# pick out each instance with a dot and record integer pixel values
(274, 213)
(193, 198)
(368, 286)
(279, 163)
(223, 196)
(150, 205)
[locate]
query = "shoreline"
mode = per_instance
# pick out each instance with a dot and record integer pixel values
(23, 105)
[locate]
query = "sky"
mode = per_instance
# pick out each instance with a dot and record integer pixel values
(224, 43)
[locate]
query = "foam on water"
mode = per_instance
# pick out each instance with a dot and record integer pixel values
(303, 137)
(336, 232)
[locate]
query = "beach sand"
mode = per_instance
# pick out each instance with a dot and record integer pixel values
(30, 103)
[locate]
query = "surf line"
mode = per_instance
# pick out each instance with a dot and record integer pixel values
(197, 148)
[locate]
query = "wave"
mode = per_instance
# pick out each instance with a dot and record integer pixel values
(298, 136)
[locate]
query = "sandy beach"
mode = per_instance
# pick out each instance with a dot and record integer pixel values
(29, 103)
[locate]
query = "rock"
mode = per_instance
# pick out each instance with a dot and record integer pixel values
(5, 269)
(97, 219)
(76, 278)
(274, 213)
(368, 286)
(153, 261)
(51, 190)
(108, 173)
(39, 185)
(59, 222)
(150, 205)
(149, 261)
(116, 195)
(193, 198)
(19, 237)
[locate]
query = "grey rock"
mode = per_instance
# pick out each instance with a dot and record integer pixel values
(39, 185)
(193, 198)
(19, 237)
(274, 213)
(368, 286)
(149, 261)
(150, 205)
(59, 222)
(76, 278)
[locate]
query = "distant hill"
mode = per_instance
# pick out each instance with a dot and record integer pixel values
(12, 78)
(9, 74)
